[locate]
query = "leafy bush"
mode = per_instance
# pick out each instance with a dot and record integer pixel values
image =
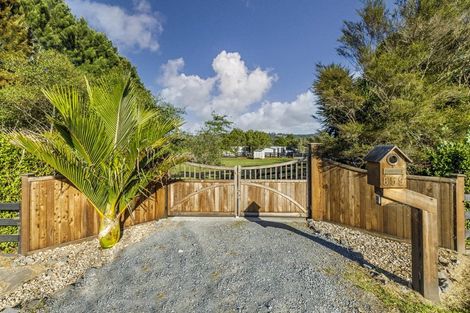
(13, 163)
(451, 157)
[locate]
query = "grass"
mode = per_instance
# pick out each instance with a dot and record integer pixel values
(252, 162)
(392, 297)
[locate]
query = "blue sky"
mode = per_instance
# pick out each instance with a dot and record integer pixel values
(251, 59)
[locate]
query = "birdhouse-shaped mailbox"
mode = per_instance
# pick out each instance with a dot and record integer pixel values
(386, 167)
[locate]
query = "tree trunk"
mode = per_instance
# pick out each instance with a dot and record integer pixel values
(110, 229)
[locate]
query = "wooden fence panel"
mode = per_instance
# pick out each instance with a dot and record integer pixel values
(273, 197)
(55, 212)
(202, 197)
(348, 199)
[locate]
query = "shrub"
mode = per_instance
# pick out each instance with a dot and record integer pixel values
(451, 157)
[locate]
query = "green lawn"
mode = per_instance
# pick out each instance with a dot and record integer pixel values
(253, 162)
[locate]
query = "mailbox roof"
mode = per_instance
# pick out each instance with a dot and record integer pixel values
(379, 152)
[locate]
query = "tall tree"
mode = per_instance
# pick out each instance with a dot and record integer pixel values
(411, 82)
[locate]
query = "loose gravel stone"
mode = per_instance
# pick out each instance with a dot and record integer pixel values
(392, 257)
(218, 265)
(64, 265)
(226, 265)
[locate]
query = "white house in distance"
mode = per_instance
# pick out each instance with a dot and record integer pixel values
(261, 153)
(273, 151)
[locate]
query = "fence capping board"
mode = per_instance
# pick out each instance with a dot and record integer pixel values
(451, 179)
(345, 166)
(43, 178)
(432, 178)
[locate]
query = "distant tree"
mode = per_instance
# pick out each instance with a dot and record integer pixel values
(257, 139)
(236, 138)
(280, 140)
(208, 145)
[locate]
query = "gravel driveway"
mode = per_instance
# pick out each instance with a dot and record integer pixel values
(221, 265)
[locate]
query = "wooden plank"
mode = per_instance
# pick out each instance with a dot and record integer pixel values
(315, 187)
(344, 197)
(399, 222)
(445, 210)
(41, 217)
(363, 194)
(49, 213)
(9, 221)
(24, 246)
(33, 217)
(411, 198)
(424, 254)
(459, 214)
(10, 206)
(9, 238)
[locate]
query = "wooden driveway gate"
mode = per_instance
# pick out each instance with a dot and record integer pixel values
(273, 190)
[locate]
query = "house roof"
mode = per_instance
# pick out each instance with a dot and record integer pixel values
(379, 152)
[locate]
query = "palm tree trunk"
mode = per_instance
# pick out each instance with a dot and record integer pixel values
(110, 228)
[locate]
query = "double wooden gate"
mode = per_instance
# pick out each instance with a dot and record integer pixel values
(274, 190)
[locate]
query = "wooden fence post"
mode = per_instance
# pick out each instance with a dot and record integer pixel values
(459, 238)
(424, 253)
(315, 183)
(25, 214)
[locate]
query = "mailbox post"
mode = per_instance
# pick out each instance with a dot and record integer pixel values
(386, 171)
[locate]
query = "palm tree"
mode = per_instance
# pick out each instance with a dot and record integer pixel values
(108, 145)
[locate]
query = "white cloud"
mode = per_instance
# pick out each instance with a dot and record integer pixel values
(190, 92)
(283, 117)
(234, 90)
(230, 91)
(129, 30)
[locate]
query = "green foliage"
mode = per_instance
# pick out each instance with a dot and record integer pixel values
(54, 27)
(14, 36)
(13, 163)
(256, 139)
(412, 82)
(45, 45)
(451, 158)
(109, 145)
(23, 103)
(208, 145)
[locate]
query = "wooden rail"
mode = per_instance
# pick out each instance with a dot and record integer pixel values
(10, 207)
